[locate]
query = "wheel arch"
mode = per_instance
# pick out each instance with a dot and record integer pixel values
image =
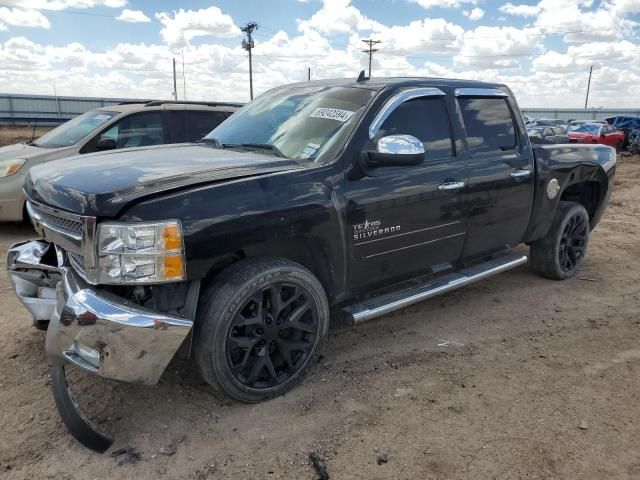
(587, 184)
(312, 253)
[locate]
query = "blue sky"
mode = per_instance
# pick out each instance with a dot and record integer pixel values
(542, 49)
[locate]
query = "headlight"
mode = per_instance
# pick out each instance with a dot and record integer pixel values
(140, 252)
(9, 167)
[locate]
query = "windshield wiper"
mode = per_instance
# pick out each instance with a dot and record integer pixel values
(265, 146)
(211, 141)
(261, 146)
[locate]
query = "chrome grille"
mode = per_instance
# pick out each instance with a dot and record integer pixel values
(77, 262)
(75, 234)
(61, 224)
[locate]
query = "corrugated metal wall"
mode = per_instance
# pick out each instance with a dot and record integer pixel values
(581, 113)
(47, 109)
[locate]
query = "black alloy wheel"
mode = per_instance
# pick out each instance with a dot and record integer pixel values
(259, 328)
(271, 335)
(573, 243)
(559, 254)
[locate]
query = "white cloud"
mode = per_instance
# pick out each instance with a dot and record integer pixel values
(421, 36)
(64, 4)
(329, 41)
(338, 16)
(572, 19)
(475, 14)
(427, 4)
(520, 10)
(497, 47)
(18, 17)
(184, 25)
(625, 7)
(133, 16)
(580, 57)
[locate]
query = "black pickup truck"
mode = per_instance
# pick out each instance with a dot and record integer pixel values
(351, 198)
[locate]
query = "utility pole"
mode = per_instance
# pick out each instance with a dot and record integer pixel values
(175, 85)
(370, 50)
(248, 45)
(586, 100)
(308, 74)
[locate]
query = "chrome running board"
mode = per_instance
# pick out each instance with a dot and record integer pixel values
(381, 305)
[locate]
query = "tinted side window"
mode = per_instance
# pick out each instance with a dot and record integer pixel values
(489, 125)
(137, 130)
(192, 125)
(427, 120)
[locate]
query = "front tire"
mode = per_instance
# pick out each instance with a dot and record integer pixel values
(259, 328)
(559, 254)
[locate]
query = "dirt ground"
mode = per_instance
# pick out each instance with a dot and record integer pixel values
(13, 134)
(515, 377)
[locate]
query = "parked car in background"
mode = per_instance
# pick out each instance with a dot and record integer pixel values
(542, 135)
(628, 125)
(575, 124)
(597, 133)
(634, 142)
(125, 125)
(547, 122)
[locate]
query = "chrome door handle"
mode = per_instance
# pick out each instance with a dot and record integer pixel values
(520, 173)
(450, 186)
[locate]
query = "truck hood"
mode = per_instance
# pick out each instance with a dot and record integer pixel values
(103, 184)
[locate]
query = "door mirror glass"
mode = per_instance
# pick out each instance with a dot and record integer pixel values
(106, 143)
(396, 151)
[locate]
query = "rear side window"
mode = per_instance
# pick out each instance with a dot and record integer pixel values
(489, 125)
(193, 125)
(427, 120)
(137, 130)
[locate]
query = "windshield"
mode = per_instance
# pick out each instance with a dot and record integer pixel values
(300, 123)
(587, 128)
(535, 132)
(71, 132)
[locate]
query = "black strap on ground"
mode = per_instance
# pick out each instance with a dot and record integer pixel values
(78, 427)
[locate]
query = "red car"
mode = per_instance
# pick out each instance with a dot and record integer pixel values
(597, 133)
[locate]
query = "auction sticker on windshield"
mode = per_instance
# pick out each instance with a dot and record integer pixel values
(332, 114)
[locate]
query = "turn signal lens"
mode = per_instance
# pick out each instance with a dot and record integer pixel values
(9, 167)
(172, 237)
(173, 267)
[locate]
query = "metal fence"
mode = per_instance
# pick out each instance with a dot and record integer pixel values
(581, 113)
(51, 110)
(47, 109)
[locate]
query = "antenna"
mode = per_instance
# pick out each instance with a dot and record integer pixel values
(361, 77)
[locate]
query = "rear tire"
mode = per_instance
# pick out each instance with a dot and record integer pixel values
(259, 328)
(559, 254)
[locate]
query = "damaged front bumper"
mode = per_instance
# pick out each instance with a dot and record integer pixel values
(90, 327)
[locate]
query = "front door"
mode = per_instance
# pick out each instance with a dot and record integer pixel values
(501, 173)
(406, 221)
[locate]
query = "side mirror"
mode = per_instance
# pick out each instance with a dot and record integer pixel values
(106, 143)
(396, 151)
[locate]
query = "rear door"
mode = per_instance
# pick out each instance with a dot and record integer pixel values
(501, 175)
(405, 221)
(192, 125)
